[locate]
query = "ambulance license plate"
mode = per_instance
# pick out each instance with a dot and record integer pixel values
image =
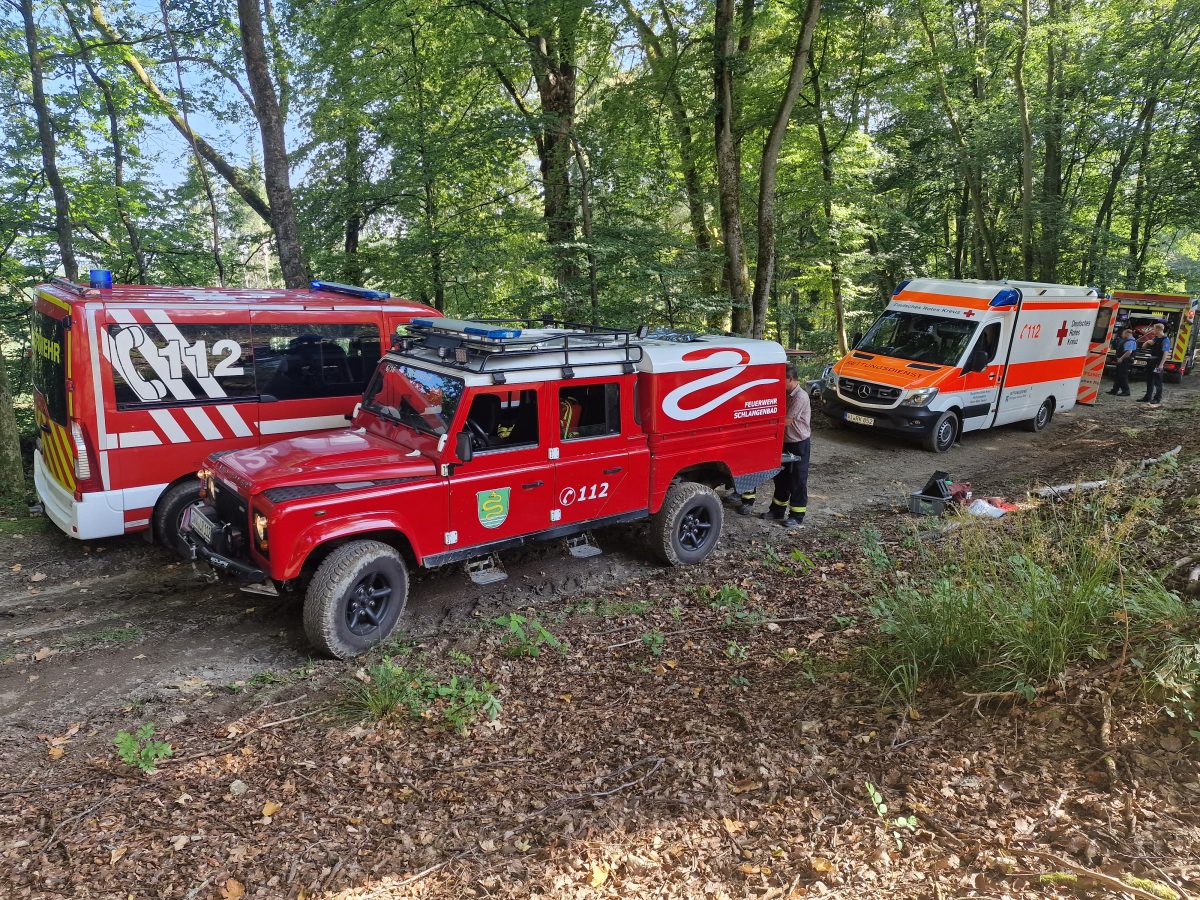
(201, 525)
(859, 420)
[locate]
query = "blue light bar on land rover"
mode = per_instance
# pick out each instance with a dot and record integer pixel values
(350, 290)
(475, 329)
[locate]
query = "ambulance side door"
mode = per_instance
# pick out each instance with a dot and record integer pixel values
(311, 367)
(603, 467)
(982, 375)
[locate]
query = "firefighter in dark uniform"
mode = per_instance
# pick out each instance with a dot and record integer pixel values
(790, 500)
(1159, 346)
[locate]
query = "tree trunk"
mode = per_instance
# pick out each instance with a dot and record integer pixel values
(12, 473)
(1026, 148)
(275, 163)
(556, 91)
(352, 265)
(214, 219)
(62, 205)
(728, 168)
(585, 208)
(1133, 268)
(114, 133)
(232, 176)
(769, 167)
(1052, 170)
(973, 178)
(831, 238)
(681, 122)
(429, 206)
(1091, 262)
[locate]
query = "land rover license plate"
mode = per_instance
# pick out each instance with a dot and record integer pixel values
(859, 420)
(201, 525)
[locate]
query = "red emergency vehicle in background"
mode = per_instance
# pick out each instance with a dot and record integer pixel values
(1140, 311)
(135, 386)
(474, 437)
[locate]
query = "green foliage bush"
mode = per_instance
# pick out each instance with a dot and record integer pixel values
(140, 750)
(390, 690)
(1007, 606)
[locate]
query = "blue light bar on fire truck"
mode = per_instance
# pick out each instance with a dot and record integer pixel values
(473, 329)
(350, 290)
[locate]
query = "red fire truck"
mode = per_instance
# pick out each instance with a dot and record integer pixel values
(474, 437)
(135, 386)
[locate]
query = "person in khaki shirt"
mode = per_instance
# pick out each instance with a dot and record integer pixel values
(790, 500)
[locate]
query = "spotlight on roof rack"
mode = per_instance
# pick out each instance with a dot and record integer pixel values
(349, 290)
(461, 355)
(642, 331)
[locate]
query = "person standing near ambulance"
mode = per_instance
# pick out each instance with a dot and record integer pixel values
(1126, 345)
(1159, 346)
(790, 501)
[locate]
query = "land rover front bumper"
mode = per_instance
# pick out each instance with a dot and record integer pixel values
(218, 543)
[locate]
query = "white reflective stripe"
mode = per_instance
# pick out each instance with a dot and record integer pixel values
(103, 438)
(139, 439)
(307, 423)
(234, 420)
(208, 430)
(149, 351)
(110, 442)
(135, 523)
(159, 316)
(170, 427)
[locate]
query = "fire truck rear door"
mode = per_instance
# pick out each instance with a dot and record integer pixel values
(1097, 356)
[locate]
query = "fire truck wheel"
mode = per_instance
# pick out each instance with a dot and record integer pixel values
(1044, 414)
(688, 526)
(943, 434)
(355, 598)
(169, 511)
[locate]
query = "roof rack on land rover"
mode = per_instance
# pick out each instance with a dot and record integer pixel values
(492, 345)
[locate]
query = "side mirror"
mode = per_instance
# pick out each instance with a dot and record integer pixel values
(856, 340)
(463, 448)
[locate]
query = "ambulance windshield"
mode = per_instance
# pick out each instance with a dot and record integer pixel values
(937, 340)
(414, 397)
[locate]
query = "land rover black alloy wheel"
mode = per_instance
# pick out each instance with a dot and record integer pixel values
(687, 527)
(355, 598)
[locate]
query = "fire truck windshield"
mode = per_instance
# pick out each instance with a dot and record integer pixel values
(414, 397)
(937, 340)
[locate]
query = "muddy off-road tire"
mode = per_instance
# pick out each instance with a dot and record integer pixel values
(943, 434)
(1044, 414)
(169, 511)
(688, 526)
(355, 598)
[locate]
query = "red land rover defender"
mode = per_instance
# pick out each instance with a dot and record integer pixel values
(473, 437)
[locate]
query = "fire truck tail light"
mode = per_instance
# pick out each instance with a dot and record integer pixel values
(87, 476)
(83, 464)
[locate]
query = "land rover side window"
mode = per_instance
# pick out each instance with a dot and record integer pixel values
(589, 410)
(298, 362)
(503, 421)
(165, 364)
(415, 397)
(50, 364)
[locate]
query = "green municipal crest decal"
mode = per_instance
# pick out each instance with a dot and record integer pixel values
(492, 507)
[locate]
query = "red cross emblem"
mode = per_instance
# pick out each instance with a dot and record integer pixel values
(1062, 333)
(969, 313)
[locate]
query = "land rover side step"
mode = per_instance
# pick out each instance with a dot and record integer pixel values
(582, 545)
(486, 569)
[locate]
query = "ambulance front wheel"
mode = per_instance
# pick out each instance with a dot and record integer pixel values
(943, 434)
(355, 598)
(168, 513)
(1044, 414)
(688, 526)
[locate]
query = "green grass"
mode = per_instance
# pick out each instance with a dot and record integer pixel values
(1009, 605)
(105, 636)
(391, 691)
(22, 524)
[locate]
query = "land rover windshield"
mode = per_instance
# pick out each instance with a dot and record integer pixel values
(936, 340)
(414, 397)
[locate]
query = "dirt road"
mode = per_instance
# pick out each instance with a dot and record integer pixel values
(87, 629)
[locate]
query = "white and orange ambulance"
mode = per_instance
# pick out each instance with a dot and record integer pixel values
(135, 386)
(948, 357)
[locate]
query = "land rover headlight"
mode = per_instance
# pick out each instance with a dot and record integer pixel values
(919, 397)
(260, 532)
(208, 484)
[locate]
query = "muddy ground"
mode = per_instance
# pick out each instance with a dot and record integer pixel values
(90, 630)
